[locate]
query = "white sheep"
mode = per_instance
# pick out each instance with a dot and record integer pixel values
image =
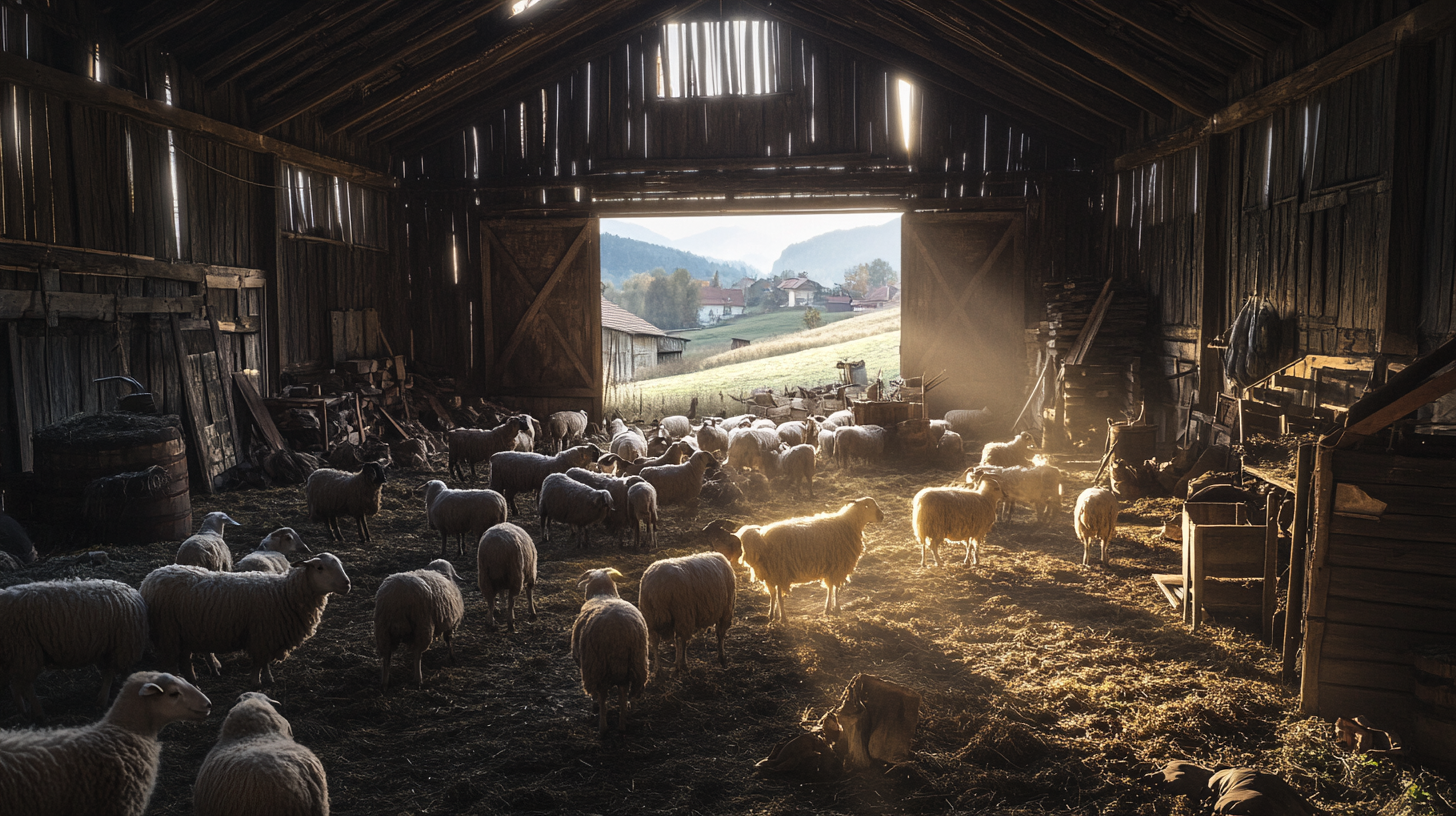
(826, 443)
(675, 454)
(680, 596)
(748, 447)
(642, 510)
(530, 432)
(331, 494)
(471, 445)
(515, 472)
(1039, 487)
(712, 437)
(1095, 519)
(950, 449)
(618, 520)
(414, 608)
(680, 484)
(505, 561)
(940, 514)
(273, 551)
(733, 423)
(255, 767)
(841, 419)
(609, 644)
(265, 614)
(794, 465)
(865, 442)
(799, 432)
(628, 443)
(969, 424)
(565, 427)
(462, 512)
(572, 503)
(109, 766)
(824, 548)
(676, 427)
(206, 548)
(67, 625)
(1016, 453)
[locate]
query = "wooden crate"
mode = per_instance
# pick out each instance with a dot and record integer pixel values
(886, 414)
(1228, 564)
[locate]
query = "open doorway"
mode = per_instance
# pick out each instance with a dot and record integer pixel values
(712, 307)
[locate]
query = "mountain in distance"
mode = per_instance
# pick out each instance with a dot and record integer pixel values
(729, 242)
(825, 257)
(624, 257)
(636, 232)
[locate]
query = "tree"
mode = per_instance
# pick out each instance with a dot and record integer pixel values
(716, 285)
(813, 319)
(857, 280)
(881, 273)
(657, 304)
(685, 299)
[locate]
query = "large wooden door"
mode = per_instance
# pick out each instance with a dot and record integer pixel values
(541, 297)
(963, 300)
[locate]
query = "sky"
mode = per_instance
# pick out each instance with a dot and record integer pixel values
(772, 233)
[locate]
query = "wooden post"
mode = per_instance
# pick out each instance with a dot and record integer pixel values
(1217, 152)
(269, 254)
(1294, 601)
(1318, 571)
(23, 422)
(1399, 288)
(1271, 569)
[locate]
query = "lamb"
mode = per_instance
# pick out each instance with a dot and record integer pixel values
(505, 561)
(840, 419)
(795, 465)
(747, 447)
(267, 615)
(609, 644)
(677, 426)
(206, 549)
(514, 472)
(67, 625)
(333, 493)
(1039, 487)
(14, 541)
(577, 505)
(642, 510)
(256, 767)
(823, 548)
(618, 520)
(273, 551)
(764, 423)
(679, 596)
(941, 514)
(950, 449)
(865, 442)
(733, 423)
(462, 512)
(674, 455)
(826, 443)
(938, 429)
(471, 445)
(530, 431)
(565, 427)
(969, 424)
(680, 484)
(629, 443)
(1095, 519)
(713, 438)
(1016, 453)
(799, 432)
(413, 608)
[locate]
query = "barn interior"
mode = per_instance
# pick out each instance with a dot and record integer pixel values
(1214, 229)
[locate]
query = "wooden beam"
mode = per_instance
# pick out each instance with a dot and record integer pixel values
(32, 305)
(1054, 18)
(1395, 409)
(1422, 23)
(1179, 35)
(1403, 382)
(79, 89)
(160, 18)
(1308, 13)
(112, 264)
(295, 27)
(1245, 26)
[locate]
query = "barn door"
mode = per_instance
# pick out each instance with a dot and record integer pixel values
(207, 387)
(963, 300)
(541, 293)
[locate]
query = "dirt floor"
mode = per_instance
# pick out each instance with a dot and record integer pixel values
(1046, 687)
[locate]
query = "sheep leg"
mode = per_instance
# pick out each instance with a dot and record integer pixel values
(386, 654)
(450, 645)
(510, 611)
(545, 528)
(654, 660)
(622, 710)
(681, 665)
(363, 530)
(184, 665)
(830, 604)
(417, 665)
(600, 698)
(722, 633)
(1103, 542)
(973, 552)
(530, 601)
(108, 675)
(1086, 551)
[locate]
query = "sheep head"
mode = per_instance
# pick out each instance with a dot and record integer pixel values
(376, 472)
(254, 714)
(722, 539)
(866, 509)
(597, 583)
(213, 522)
(164, 699)
(326, 574)
(284, 540)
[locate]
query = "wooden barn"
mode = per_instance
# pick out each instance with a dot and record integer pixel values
(318, 230)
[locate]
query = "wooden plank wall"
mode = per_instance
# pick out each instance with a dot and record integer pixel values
(1438, 295)
(447, 319)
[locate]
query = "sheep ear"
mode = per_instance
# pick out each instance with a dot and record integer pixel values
(150, 689)
(229, 520)
(719, 524)
(582, 581)
(309, 562)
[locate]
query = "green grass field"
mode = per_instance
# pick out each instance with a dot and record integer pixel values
(718, 339)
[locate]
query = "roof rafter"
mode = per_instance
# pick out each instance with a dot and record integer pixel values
(298, 26)
(1233, 21)
(168, 16)
(1181, 35)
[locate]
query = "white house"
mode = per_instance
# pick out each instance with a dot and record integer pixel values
(716, 304)
(802, 291)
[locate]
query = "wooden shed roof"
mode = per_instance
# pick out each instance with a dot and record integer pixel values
(616, 318)
(368, 68)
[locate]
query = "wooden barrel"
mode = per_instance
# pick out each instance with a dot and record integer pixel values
(1435, 714)
(1134, 443)
(65, 468)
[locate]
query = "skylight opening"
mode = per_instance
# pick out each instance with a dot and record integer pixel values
(730, 58)
(521, 5)
(905, 93)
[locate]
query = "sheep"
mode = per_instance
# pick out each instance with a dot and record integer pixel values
(712, 437)
(67, 625)
(530, 432)
(207, 549)
(629, 443)
(642, 510)
(8, 562)
(680, 484)
(1095, 519)
(733, 423)
(969, 424)
(841, 419)
(940, 514)
(1016, 453)
(267, 615)
(411, 454)
(333, 493)
(505, 561)
(799, 432)
(273, 551)
(462, 512)
(14, 541)
(938, 429)
(795, 464)
(256, 767)
(677, 426)
(577, 505)
(564, 427)
(747, 447)
(680, 596)
(823, 548)
(618, 520)
(865, 442)
(413, 608)
(109, 766)
(950, 449)
(471, 445)
(513, 472)
(674, 455)
(826, 443)
(609, 644)
(1039, 487)
(764, 423)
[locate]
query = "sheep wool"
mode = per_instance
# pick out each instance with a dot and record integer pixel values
(609, 644)
(267, 615)
(968, 424)
(1095, 519)
(257, 768)
(572, 503)
(618, 520)
(941, 514)
(273, 551)
(748, 447)
(675, 454)
(680, 484)
(712, 438)
(67, 625)
(505, 561)
(462, 512)
(414, 608)
(206, 549)
(471, 445)
(107, 767)
(1016, 453)
(865, 442)
(794, 465)
(14, 541)
(565, 427)
(824, 548)
(516, 472)
(642, 510)
(677, 426)
(331, 494)
(680, 596)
